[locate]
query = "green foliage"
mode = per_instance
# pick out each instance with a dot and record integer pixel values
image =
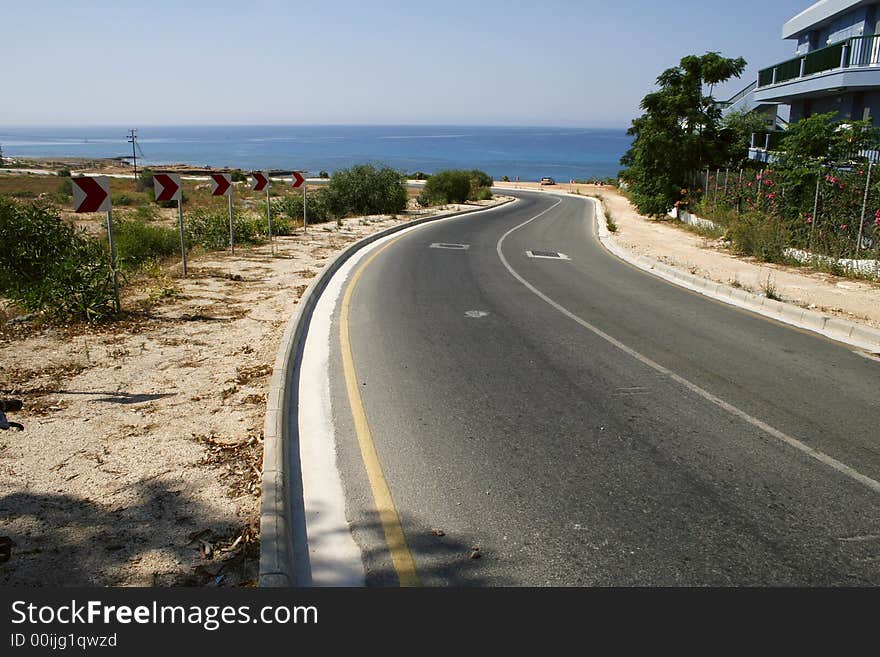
(323, 175)
(680, 131)
(505, 179)
(738, 127)
(239, 176)
(122, 199)
(822, 138)
(63, 173)
(291, 208)
(757, 235)
(138, 242)
(47, 265)
(365, 189)
(456, 186)
(450, 186)
(480, 179)
(209, 228)
(145, 181)
(417, 175)
(65, 189)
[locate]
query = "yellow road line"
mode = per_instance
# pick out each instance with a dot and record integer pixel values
(394, 536)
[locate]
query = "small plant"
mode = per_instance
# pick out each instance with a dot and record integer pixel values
(609, 220)
(769, 289)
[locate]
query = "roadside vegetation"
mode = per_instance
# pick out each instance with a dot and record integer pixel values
(58, 264)
(818, 203)
(456, 186)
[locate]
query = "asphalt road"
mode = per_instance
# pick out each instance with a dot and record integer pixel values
(583, 423)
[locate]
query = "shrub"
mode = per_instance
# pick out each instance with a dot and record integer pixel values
(480, 179)
(450, 186)
(145, 181)
(483, 194)
(239, 176)
(123, 199)
(323, 175)
(210, 228)
(48, 265)
(365, 189)
(764, 237)
(64, 173)
(291, 208)
(138, 242)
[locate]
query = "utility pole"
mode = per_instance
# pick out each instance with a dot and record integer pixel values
(1, 155)
(132, 139)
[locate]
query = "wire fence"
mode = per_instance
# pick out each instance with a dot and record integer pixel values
(829, 215)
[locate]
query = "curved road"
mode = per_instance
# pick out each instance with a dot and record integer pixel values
(549, 421)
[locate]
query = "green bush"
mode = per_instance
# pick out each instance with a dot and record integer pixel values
(123, 199)
(480, 179)
(765, 237)
(64, 173)
(456, 186)
(210, 228)
(323, 175)
(291, 208)
(138, 242)
(365, 189)
(47, 265)
(450, 186)
(239, 176)
(483, 194)
(145, 181)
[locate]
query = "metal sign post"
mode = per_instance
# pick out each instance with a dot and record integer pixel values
(299, 181)
(231, 231)
(269, 219)
(113, 267)
(168, 188)
(221, 185)
(259, 183)
(864, 208)
(92, 194)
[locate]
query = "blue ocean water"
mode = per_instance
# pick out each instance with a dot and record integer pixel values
(529, 153)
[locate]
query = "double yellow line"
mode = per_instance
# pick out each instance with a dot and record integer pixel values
(401, 557)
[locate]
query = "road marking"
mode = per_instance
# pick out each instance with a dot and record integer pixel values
(454, 247)
(548, 255)
(476, 314)
(394, 536)
(705, 394)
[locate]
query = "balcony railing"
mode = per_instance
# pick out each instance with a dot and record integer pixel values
(854, 52)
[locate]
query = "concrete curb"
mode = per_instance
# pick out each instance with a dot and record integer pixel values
(842, 330)
(281, 424)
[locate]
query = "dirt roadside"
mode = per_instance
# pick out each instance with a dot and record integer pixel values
(141, 456)
(855, 300)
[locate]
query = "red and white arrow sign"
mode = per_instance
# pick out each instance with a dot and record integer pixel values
(221, 184)
(167, 186)
(260, 180)
(91, 194)
(298, 180)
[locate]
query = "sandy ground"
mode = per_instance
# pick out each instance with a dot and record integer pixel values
(141, 457)
(856, 300)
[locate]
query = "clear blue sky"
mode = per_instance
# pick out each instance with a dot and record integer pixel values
(541, 62)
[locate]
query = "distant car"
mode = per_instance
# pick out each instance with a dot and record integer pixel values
(546, 180)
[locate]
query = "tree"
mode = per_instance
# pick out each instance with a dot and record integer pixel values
(365, 189)
(738, 128)
(679, 133)
(821, 137)
(450, 186)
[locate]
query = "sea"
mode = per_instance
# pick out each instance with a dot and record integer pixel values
(526, 153)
